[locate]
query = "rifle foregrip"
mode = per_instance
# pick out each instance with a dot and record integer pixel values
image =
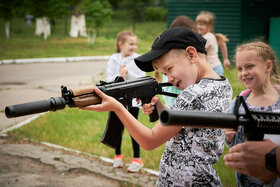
(51, 104)
(83, 90)
(85, 100)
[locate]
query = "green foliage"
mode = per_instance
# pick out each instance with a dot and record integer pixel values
(10, 9)
(97, 12)
(155, 14)
(135, 8)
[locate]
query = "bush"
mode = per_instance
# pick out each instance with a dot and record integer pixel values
(155, 14)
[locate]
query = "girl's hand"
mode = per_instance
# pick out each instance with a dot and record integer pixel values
(123, 71)
(226, 63)
(149, 107)
(108, 103)
(230, 133)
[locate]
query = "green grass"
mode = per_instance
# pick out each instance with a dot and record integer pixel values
(24, 44)
(82, 130)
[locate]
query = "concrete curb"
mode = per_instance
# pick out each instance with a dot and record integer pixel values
(55, 59)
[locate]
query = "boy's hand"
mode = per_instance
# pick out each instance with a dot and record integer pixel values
(148, 108)
(229, 133)
(123, 71)
(108, 103)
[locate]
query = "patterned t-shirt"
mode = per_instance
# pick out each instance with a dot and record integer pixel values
(189, 156)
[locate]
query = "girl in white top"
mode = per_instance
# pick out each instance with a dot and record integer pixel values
(205, 25)
(122, 64)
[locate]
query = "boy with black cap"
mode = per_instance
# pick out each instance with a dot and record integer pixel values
(190, 153)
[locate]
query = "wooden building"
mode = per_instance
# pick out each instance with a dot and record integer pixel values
(240, 20)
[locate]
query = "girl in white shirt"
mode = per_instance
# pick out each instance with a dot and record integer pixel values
(122, 64)
(205, 24)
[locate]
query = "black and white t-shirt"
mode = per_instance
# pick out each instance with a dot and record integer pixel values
(189, 156)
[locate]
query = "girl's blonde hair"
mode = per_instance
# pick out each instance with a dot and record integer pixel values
(122, 36)
(266, 52)
(208, 18)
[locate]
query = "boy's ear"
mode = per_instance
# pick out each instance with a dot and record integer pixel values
(191, 54)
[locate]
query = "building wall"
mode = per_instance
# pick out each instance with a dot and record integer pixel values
(228, 16)
(256, 16)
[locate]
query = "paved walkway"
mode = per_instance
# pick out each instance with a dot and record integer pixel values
(27, 82)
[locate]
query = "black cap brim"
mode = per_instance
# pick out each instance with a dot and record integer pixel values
(144, 62)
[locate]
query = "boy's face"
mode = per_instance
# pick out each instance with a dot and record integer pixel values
(176, 66)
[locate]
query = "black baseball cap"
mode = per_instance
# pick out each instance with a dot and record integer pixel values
(172, 38)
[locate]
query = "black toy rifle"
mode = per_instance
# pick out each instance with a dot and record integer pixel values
(144, 88)
(255, 124)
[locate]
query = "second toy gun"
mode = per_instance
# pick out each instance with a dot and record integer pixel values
(144, 88)
(255, 124)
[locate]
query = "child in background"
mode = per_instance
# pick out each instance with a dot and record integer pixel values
(122, 64)
(205, 25)
(190, 153)
(185, 21)
(256, 65)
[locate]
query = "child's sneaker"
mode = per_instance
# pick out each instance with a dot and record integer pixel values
(118, 161)
(136, 165)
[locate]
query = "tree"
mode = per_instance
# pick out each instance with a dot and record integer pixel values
(135, 8)
(8, 10)
(96, 12)
(46, 12)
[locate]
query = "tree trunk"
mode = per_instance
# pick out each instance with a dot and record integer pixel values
(43, 27)
(7, 29)
(78, 26)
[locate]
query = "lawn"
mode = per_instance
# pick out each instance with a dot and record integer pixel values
(24, 44)
(82, 130)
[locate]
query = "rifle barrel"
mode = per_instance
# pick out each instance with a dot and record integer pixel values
(52, 104)
(198, 119)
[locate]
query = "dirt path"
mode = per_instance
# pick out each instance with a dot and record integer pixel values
(21, 171)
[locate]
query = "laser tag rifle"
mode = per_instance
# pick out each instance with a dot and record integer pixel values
(144, 88)
(255, 124)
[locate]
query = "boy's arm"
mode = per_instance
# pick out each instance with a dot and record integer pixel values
(147, 138)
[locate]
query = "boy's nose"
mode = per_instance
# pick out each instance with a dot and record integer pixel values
(170, 79)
